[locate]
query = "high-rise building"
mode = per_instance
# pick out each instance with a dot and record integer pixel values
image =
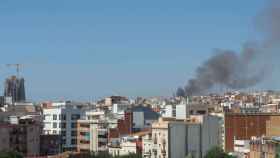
(14, 88)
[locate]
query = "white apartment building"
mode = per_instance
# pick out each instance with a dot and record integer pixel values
(125, 148)
(241, 148)
(119, 109)
(92, 131)
(147, 145)
(169, 111)
(61, 119)
(182, 111)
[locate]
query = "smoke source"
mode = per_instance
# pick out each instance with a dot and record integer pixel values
(239, 70)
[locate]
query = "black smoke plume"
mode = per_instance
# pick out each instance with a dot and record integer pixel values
(241, 70)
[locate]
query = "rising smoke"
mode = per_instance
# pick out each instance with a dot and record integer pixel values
(241, 70)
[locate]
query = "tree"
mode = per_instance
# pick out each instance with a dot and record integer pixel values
(217, 152)
(10, 154)
(189, 156)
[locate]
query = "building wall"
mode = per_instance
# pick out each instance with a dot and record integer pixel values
(83, 130)
(182, 138)
(147, 145)
(159, 133)
(272, 126)
(93, 137)
(243, 127)
(177, 140)
(125, 125)
(67, 126)
(23, 138)
(50, 145)
(4, 138)
(138, 120)
(168, 111)
(33, 139)
(210, 133)
(194, 140)
(119, 108)
(263, 149)
(125, 148)
(181, 111)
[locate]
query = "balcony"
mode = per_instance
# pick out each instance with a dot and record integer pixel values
(83, 146)
(149, 153)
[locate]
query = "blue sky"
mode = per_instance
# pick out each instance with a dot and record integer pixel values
(88, 49)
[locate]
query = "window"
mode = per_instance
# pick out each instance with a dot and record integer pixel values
(54, 125)
(54, 117)
(63, 116)
(59, 125)
(59, 117)
(73, 133)
(73, 125)
(63, 133)
(63, 125)
(63, 141)
(54, 132)
(75, 116)
(73, 141)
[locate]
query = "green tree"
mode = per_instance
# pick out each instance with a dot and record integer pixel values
(217, 152)
(189, 156)
(10, 154)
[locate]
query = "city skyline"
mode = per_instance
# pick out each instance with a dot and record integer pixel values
(93, 49)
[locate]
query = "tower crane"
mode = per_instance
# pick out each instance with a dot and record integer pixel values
(17, 66)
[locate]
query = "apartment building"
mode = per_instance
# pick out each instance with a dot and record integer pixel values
(50, 144)
(131, 144)
(124, 148)
(182, 111)
(22, 136)
(61, 118)
(147, 145)
(92, 131)
(92, 136)
(110, 101)
(173, 138)
(265, 147)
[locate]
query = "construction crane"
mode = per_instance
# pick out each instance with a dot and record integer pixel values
(18, 67)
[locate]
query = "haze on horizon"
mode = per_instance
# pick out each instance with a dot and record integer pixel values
(89, 49)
